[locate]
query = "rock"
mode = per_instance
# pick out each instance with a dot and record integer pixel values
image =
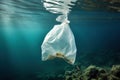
(116, 70)
(91, 72)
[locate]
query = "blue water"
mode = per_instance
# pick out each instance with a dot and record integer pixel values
(97, 35)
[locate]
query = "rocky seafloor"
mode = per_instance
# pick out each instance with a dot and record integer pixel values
(92, 72)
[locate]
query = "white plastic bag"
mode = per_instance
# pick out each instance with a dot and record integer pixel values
(59, 43)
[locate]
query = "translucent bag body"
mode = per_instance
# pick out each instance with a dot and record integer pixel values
(59, 43)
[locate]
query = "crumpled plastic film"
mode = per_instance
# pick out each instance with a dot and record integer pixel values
(60, 41)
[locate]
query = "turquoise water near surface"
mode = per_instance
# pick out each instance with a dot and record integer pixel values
(22, 30)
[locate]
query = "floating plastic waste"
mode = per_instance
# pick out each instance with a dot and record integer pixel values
(59, 42)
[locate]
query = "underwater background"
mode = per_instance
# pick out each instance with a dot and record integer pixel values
(24, 24)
